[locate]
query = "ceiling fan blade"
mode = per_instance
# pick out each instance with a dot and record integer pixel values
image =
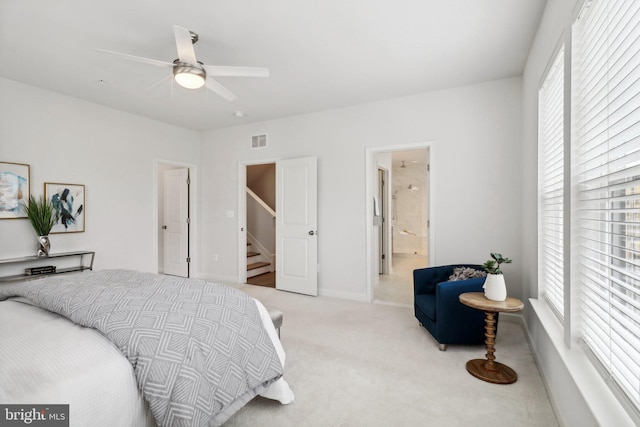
(216, 87)
(186, 53)
(164, 79)
(139, 59)
(216, 70)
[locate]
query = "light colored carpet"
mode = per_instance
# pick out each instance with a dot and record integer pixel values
(359, 364)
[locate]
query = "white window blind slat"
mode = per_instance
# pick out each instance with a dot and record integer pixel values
(606, 144)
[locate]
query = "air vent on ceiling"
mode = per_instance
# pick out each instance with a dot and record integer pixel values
(258, 141)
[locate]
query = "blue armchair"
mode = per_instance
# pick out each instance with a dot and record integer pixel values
(439, 310)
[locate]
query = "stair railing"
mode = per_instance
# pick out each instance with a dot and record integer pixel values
(261, 224)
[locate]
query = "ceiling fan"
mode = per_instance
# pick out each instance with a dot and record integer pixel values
(193, 74)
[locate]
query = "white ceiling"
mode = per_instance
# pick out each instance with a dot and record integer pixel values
(322, 54)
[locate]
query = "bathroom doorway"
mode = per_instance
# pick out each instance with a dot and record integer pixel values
(405, 220)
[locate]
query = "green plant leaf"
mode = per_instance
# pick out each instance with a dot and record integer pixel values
(41, 215)
(489, 266)
(492, 266)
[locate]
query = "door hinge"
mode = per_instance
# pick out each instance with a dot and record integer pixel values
(428, 167)
(188, 180)
(188, 220)
(383, 256)
(188, 259)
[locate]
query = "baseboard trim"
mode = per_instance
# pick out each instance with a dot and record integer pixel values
(512, 318)
(215, 278)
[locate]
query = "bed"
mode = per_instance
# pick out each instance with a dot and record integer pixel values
(137, 349)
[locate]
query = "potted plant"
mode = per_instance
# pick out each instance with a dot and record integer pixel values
(494, 286)
(42, 217)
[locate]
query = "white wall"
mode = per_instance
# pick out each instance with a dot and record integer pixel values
(476, 164)
(112, 153)
(579, 395)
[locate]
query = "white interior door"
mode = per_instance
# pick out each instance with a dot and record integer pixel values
(296, 225)
(176, 222)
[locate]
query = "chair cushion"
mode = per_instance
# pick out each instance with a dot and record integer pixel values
(427, 304)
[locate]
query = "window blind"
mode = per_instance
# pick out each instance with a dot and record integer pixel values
(606, 144)
(551, 185)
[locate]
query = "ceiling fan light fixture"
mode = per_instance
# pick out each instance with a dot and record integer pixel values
(189, 76)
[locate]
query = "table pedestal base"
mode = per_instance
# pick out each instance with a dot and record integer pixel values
(496, 374)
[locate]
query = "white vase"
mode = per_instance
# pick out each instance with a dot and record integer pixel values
(494, 287)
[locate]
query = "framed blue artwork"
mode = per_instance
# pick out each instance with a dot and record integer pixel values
(68, 206)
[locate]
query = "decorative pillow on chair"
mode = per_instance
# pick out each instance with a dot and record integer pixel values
(464, 273)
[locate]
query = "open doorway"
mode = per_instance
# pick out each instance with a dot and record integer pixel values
(261, 225)
(400, 229)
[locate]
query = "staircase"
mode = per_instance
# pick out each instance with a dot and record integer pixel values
(255, 263)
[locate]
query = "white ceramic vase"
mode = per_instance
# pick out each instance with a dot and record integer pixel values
(494, 287)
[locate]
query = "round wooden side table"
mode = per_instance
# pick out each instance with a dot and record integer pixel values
(488, 369)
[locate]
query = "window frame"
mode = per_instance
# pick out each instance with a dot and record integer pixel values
(550, 287)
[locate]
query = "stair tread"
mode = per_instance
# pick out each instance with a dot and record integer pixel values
(251, 253)
(255, 265)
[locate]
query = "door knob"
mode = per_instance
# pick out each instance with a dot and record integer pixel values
(164, 227)
(311, 233)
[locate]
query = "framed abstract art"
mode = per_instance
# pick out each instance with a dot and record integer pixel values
(68, 206)
(14, 189)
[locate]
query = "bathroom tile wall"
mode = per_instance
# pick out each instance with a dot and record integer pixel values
(409, 214)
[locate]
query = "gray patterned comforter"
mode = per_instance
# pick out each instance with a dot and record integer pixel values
(199, 350)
